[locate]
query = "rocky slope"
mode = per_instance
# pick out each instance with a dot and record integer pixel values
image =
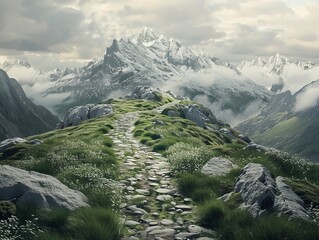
(18, 115)
(289, 123)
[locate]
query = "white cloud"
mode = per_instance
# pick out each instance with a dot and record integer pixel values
(307, 99)
(80, 30)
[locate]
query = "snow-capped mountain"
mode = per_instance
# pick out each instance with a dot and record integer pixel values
(20, 69)
(279, 73)
(153, 60)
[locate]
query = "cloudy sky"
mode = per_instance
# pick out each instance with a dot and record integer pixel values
(56, 33)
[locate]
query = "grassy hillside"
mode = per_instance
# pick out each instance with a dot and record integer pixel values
(84, 158)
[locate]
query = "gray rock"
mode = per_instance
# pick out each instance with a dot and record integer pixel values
(184, 207)
(35, 142)
(288, 202)
(41, 190)
(167, 232)
(146, 92)
(4, 145)
(167, 222)
(131, 223)
(76, 115)
(262, 193)
(244, 138)
(218, 166)
(172, 113)
(164, 198)
(100, 110)
(195, 115)
(135, 209)
(257, 188)
(186, 235)
(164, 191)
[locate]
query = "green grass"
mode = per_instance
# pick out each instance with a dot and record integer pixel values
(211, 214)
(174, 130)
(307, 191)
(202, 188)
(95, 223)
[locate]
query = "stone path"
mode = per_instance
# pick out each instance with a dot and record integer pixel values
(152, 208)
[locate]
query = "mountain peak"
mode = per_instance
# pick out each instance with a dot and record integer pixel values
(145, 36)
(17, 62)
(278, 59)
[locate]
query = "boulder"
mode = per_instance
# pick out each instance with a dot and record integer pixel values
(262, 193)
(202, 116)
(195, 115)
(4, 145)
(146, 92)
(217, 167)
(38, 189)
(257, 188)
(76, 115)
(244, 138)
(100, 111)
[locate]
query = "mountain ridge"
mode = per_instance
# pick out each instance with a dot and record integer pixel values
(19, 116)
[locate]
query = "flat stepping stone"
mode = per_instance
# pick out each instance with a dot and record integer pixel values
(164, 198)
(152, 179)
(131, 223)
(184, 207)
(143, 192)
(152, 228)
(167, 222)
(168, 232)
(133, 208)
(139, 196)
(155, 214)
(186, 235)
(163, 191)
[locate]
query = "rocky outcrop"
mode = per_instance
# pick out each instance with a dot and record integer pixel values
(4, 145)
(217, 167)
(261, 193)
(203, 117)
(38, 189)
(76, 115)
(152, 94)
(288, 202)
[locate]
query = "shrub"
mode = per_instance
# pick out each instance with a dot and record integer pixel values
(211, 214)
(95, 223)
(164, 144)
(55, 219)
(7, 209)
(185, 157)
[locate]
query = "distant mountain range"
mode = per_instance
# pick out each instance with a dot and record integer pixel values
(279, 73)
(19, 117)
(151, 59)
(289, 122)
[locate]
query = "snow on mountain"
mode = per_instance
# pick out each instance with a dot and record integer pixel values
(279, 73)
(150, 59)
(20, 69)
